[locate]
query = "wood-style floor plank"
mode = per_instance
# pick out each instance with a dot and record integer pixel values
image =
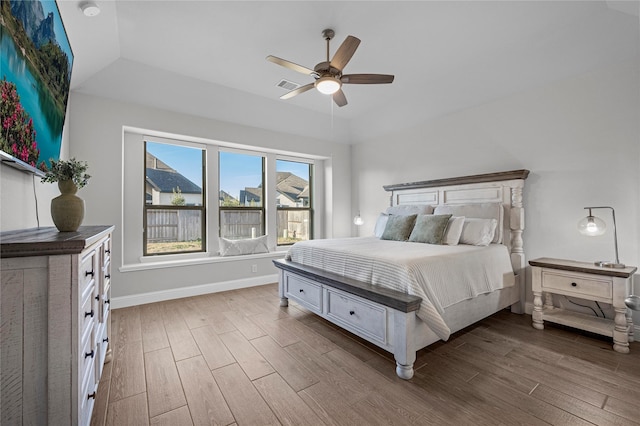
(178, 417)
(246, 404)
(164, 388)
(206, 403)
(268, 364)
(128, 411)
(213, 350)
(294, 373)
(127, 374)
(250, 360)
(284, 402)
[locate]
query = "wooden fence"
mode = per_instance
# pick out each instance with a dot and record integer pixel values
(173, 225)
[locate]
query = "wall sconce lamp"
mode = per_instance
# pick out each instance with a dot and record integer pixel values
(357, 220)
(593, 226)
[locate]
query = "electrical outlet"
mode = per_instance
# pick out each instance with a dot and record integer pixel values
(254, 268)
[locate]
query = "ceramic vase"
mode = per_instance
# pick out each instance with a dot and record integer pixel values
(67, 209)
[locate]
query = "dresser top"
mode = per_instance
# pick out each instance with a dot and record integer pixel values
(48, 241)
(585, 267)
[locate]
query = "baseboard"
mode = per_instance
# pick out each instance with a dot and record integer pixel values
(177, 293)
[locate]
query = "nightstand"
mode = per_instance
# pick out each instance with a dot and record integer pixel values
(585, 281)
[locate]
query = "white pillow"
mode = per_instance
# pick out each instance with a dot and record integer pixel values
(244, 246)
(453, 231)
(478, 232)
(481, 210)
(409, 209)
(381, 223)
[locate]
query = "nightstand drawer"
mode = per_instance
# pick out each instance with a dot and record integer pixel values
(576, 285)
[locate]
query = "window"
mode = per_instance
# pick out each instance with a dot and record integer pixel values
(241, 195)
(174, 206)
(294, 201)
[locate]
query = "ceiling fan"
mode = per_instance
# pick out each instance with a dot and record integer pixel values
(328, 74)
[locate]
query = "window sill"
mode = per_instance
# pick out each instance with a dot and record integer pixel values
(147, 263)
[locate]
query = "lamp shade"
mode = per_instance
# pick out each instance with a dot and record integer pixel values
(592, 226)
(357, 220)
(328, 85)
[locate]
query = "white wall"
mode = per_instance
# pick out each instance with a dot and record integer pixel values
(96, 134)
(580, 139)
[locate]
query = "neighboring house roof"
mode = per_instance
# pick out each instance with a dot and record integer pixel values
(304, 193)
(291, 186)
(167, 181)
(248, 195)
(223, 195)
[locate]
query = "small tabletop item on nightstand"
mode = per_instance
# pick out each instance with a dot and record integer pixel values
(583, 280)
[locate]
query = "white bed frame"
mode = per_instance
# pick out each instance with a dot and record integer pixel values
(388, 318)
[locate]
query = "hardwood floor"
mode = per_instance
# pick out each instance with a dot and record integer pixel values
(238, 358)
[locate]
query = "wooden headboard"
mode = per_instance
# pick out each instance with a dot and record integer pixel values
(501, 187)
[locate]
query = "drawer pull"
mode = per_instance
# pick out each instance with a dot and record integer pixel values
(105, 340)
(106, 301)
(92, 395)
(107, 276)
(574, 285)
(88, 314)
(107, 251)
(301, 290)
(352, 312)
(97, 297)
(87, 273)
(88, 354)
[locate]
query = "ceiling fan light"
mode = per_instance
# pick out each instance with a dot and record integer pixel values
(328, 85)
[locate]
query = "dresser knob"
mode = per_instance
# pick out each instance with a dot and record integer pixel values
(87, 273)
(97, 297)
(107, 251)
(88, 314)
(352, 312)
(301, 290)
(107, 276)
(88, 354)
(106, 301)
(574, 285)
(105, 340)
(91, 395)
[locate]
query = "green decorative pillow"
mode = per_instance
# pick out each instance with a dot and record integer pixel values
(398, 227)
(429, 228)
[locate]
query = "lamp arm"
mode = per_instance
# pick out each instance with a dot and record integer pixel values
(615, 232)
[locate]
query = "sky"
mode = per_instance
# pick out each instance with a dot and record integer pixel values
(237, 171)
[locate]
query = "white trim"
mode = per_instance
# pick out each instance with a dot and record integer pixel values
(196, 290)
(163, 263)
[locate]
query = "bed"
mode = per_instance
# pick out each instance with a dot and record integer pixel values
(404, 296)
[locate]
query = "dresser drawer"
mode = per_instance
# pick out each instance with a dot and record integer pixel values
(106, 251)
(86, 318)
(88, 270)
(87, 396)
(576, 285)
(357, 314)
(305, 292)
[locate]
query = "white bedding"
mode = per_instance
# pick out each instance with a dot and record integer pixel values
(441, 275)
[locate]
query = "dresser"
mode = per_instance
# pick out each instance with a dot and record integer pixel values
(583, 280)
(54, 317)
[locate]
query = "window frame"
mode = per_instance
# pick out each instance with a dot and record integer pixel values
(309, 208)
(201, 208)
(263, 201)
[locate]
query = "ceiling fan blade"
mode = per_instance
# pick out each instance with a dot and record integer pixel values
(367, 78)
(297, 91)
(290, 65)
(345, 52)
(339, 98)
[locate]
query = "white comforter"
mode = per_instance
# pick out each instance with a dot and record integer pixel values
(441, 275)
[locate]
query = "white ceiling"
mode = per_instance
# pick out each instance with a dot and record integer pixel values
(207, 58)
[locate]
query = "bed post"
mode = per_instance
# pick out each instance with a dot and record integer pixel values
(284, 300)
(516, 223)
(404, 348)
